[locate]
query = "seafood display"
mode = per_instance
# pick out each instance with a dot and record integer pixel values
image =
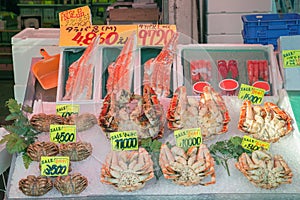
(71, 184)
(83, 122)
(42, 121)
(264, 170)
(133, 112)
(257, 70)
(35, 186)
(189, 167)
(157, 71)
(120, 72)
(79, 85)
(77, 151)
(38, 149)
(127, 170)
(209, 113)
(267, 122)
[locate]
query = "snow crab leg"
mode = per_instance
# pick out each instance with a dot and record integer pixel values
(157, 70)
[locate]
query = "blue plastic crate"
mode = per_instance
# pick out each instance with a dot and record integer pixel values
(271, 25)
(263, 41)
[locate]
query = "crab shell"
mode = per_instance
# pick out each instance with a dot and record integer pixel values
(38, 149)
(189, 167)
(268, 123)
(83, 122)
(71, 184)
(77, 151)
(35, 186)
(42, 121)
(264, 170)
(127, 170)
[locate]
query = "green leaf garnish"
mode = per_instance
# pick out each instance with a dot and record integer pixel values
(222, 151)
(14, 143)
(26, 160)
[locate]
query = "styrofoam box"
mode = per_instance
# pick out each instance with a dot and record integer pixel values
(217, 6)
(225, 23)
(27, 44)
(224, 39)
(290, 75)
(19, 92)
(241, 53)
(4, 156)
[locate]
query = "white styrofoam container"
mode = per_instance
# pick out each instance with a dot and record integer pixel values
(290, 75)
(224, 39)
(239, 52)
(19, 92)
(5, 157)
(27, 44)
(225, 23)
(218, 6)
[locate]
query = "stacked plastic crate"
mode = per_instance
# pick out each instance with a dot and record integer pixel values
(267, 28)
(223, 18)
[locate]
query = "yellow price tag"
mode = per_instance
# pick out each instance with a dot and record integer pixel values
(84, 35)
(155, 34)
(124, 141)
(62, 133)
(75, 17)
(186, 138)
(254, 144)
(291, 58)
(255, 95)
(66, 110)
(54, 165)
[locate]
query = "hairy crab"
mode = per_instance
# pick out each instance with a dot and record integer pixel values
(42, 121)
(264, 170)
(38, 149)
(209, 113)
(127, 170)
(189, 167)
(71, 184)
(35, 186)
(77, 151)
(83, 122)
(267, 123)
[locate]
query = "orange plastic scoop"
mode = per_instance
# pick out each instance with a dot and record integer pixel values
(46, 70)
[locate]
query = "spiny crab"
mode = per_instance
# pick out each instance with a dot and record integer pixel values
(71, 184)
(264, 170)
(42, 121)
(268, 122)
(127, 170)
(133, 112)
(209, 113)
(35, 186)
(38, 149)
(77, 151)
(189, 167)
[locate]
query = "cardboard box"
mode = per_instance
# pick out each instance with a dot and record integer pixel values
(134, 15)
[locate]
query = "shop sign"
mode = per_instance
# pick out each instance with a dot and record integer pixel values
(291, 58)
(66, 110)
(110, 35)
(54, 165)
(254, 94)
(62, 133)
(154, 34)
(186, 138)
(252, 144)
(124, 140)
(76, 17)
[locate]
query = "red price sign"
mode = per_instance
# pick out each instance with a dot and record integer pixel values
(76, 17)
(109, 35)
(155, 34)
